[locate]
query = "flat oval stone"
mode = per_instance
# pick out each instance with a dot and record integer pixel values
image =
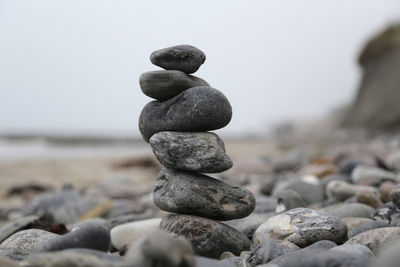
(164, 84)
(92, 235)
(344, 210)
(197, 194)
(302, 227)
(270, 249)
(186, 58)
(197, 109)
(209, 238)
(23, 243)
(197, 152)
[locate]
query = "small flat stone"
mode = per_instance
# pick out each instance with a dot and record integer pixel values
(311, 193)
(376, 238)
(91, 235)
(354, 249)
(197, 152)
(186, 58)
(349, 210)
(197, 109)
(303, 227)
(160, 248)
(164, 84)
(289, 199)
(354, 222)
(23, 243)
(197, 194)
(209, 238)
(128, 233)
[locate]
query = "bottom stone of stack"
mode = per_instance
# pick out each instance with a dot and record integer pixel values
(209, 238)
(197, 194)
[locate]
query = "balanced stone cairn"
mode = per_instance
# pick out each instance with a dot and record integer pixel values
(176, 125)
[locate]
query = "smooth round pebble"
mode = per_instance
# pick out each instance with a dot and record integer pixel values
(209, 238)
(196, 152)
(270, 249)
(395, 196)
(197, 194)
(186, 58)
(349, 210)
(164, 84)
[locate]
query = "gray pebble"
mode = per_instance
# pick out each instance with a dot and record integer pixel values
(186, 58)
(289, 199)
(367, 226)
(311, 193)
(197, 194)
(88, 235)
(23, 243)
(164, 84)
(302, 227)
(196, 109)
(16, 225)
(270, 249)
(209, 238)
(349, 210)
(197, 152)
(354, 249)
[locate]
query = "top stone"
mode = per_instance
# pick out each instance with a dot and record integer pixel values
(185, 58)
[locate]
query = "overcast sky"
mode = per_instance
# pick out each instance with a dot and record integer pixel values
(73, 65)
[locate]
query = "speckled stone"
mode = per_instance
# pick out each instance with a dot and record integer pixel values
(164, 84)
(197, 194)
(376, 238)
(16, 225)
(196, 152)
(302, 226)
(186, 58)
(197, 109)
(209, 238)
(23, 243)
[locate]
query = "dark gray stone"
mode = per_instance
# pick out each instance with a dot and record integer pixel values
(197, 109)
(23, 243)
(197, 194)
(395, 196)
(209, 238)
(388, 212)
(302, 227)
(186, 58)
(164, 84)
(88, 235)
(367, 226)
(197, 152)
(265, 204)
(270, 249)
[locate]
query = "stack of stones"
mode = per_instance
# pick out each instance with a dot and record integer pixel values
(176, 125)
